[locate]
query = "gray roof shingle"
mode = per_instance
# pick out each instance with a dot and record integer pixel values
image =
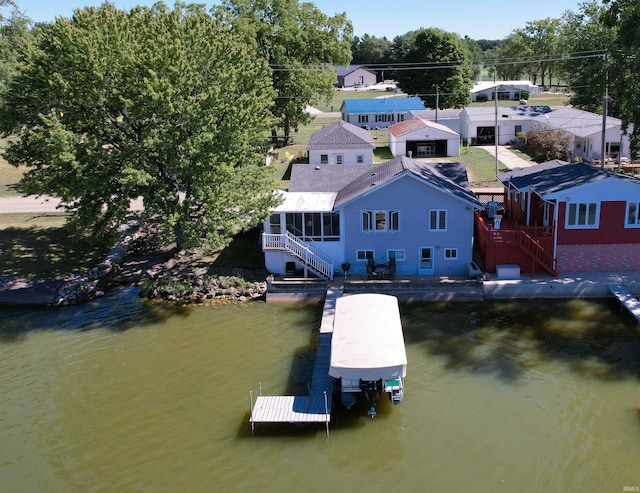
(341, 135)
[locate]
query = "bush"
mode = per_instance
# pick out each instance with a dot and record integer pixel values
(482, 98)
(524, 95)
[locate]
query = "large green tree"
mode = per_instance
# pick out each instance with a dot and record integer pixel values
(166, 104)
(624, 64)
(301, 44)
(14, 38)
(587, 39)
(438, 68)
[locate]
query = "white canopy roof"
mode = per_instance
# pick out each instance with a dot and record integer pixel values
(367, 340)
(306, 202)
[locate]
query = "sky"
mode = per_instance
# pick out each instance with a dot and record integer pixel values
(489, 19)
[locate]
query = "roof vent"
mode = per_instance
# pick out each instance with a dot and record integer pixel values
(317, 168)
(373, 174)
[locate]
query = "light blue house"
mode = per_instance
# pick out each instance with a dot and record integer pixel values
(379, 112)
(334, 218)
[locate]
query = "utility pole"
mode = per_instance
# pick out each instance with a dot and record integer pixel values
(495, 105)
(605, 109)
(437, 87)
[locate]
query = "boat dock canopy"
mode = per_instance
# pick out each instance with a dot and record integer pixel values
(368, 343)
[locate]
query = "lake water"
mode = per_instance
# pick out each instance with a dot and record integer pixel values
(120, 395)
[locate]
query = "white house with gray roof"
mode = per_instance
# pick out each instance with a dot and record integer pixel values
(419, 216)
(586, 131)
(341, 143)
(478, 123)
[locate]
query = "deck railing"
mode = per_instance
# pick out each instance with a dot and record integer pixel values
(307, 255)
(526, 246)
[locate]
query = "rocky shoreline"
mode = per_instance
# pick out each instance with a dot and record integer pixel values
(138, 259)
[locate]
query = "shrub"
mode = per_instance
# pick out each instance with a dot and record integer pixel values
(482, 98)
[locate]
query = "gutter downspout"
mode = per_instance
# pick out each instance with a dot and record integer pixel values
(555, 234)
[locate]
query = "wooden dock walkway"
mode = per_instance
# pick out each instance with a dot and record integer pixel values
(629, 301)
(316, 407)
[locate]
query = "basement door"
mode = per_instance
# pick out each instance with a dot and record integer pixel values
(425, 261)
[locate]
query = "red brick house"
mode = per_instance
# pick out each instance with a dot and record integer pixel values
(564, 217)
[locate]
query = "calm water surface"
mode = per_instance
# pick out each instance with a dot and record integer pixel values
(121, 395)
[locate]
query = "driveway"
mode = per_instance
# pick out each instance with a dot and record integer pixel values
(508, 158)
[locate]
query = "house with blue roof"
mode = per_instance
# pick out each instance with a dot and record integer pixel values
(417, 216)
(379, 112)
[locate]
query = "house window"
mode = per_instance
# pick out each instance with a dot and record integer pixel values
(360, 159)
(582, 215)
(633, 214)
(331, 226)
(314, 226)
(397, 255)
(324, 158)
(363, 255)
(338, 158)
(518, 129)
(451, 253)
(380, 220)
(274, 224)
(437, 220)
(613, 150)
(363, 118)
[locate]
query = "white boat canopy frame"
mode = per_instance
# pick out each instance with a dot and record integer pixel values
(367, 342)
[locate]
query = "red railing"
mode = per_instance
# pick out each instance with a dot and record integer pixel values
(530, 247)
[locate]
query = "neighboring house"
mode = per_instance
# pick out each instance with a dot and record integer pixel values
(420, 215)
(421, 138)
(478, 123)
(449, 117)
(586, 131)
(573, 217)
(507, 90)
(379, 112)
(355, 76)
(341, 143)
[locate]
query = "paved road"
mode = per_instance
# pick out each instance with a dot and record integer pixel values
(41, 204)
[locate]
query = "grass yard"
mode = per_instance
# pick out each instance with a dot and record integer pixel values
(9, 175)
(340, 96)
(38, 245)
(481, 166)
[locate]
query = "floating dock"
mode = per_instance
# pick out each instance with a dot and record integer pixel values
(315, 407)
(629, 301)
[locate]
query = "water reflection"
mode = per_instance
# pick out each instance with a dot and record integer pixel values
(118, 311)
(506, 339)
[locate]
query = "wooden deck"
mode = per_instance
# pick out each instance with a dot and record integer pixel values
(629, 301)
(316, 407)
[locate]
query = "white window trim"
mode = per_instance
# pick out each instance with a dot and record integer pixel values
(358, 259)
(372, 221)
(626, 215)
(454, 250)
(446, 220)
(398, 250)
(582, 226)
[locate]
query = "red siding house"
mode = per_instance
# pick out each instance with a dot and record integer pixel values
(564, 217)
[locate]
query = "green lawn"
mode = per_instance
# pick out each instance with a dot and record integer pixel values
(340, 96)
(38, 245)
(9, 175)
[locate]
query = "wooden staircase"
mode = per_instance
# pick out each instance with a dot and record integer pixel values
(303, 252)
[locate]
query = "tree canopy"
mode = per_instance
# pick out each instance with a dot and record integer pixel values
(166, 104)
(438, 67)
(301, 44)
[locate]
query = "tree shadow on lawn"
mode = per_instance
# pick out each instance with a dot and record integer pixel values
(507, 339)
(45, 252)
